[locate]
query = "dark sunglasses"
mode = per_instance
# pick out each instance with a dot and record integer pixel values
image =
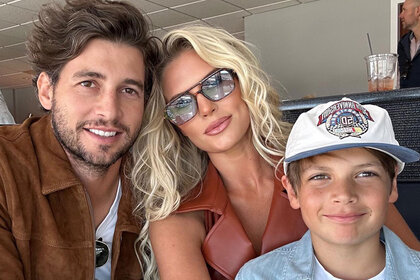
(101, 253)
(215, 86)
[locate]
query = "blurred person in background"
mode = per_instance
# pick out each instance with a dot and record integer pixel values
(408, 46)
(5, 116)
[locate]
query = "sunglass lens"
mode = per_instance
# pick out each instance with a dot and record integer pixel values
(218, 86)
(182, 109)
(101, 252)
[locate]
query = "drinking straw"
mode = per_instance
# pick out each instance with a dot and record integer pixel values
(370, 45)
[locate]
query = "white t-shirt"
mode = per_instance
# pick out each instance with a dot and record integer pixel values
(414, 46)
(321, 274)
(106, 231)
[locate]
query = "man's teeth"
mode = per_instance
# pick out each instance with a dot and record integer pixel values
(103, 133)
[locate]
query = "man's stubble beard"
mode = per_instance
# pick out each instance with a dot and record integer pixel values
(70, 140)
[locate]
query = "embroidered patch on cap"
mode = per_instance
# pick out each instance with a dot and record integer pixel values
(345, 118)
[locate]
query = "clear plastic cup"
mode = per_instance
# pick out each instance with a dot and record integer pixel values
(382, 71)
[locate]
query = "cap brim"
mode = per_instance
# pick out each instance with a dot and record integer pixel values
(401, 154)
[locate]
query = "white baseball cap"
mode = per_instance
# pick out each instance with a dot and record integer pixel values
(345, 124)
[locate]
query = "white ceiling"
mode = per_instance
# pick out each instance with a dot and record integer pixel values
(17, 18)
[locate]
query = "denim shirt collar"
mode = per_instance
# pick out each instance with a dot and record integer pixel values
(302, 255)
(401, 261)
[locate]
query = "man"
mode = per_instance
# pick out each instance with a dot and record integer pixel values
(5, 116)
(408, 46)
(65, 204)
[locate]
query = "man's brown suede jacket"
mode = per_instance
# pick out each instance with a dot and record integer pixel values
(46, 225)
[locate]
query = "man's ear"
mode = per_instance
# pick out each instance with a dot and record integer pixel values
(393, 196)
(293, 198)
(45, 90)
(417, 11)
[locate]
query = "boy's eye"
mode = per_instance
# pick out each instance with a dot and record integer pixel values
(319, 177)
(87, 84)
(366, 174)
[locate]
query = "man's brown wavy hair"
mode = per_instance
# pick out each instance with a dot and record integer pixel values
(63, 32)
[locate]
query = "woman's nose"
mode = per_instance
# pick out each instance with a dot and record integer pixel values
(205, 106)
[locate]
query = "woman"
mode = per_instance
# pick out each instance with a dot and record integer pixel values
(210, 151)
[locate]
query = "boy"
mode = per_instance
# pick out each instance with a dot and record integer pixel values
(341, 164)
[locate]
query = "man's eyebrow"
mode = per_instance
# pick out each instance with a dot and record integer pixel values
(139, 84)
(92, 74)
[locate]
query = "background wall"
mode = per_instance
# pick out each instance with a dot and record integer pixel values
(311, 49)
(318, 48)
(22, 102)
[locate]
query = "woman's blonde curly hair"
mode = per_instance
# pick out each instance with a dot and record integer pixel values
(167, 164)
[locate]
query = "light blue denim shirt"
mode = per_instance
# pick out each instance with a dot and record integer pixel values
(297, 261)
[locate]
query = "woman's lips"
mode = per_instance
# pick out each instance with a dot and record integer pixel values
(218, 126)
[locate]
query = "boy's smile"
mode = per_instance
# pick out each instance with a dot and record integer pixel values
(344, 196)
(343, 218)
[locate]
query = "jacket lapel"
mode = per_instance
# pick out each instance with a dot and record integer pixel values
(406, 46)
(226, 236)
(55, 171)
(126, 232)
(227, 246)
(284, 223)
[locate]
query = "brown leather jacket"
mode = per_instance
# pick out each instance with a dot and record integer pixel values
(227, 247)
(46, 225)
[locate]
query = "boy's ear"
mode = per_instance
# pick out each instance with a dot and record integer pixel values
(393, 196)
(45, 90)
(293, 199)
